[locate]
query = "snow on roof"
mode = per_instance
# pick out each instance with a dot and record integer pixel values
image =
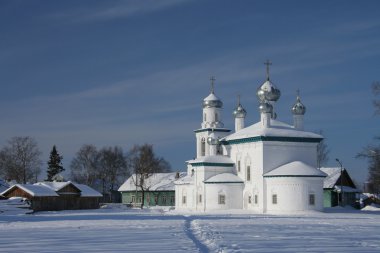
(212, 159)
(277, 128)
(333, 174)
(188, 179)
(34, 190)
(87, 191)
(3, 185)
(156, 182)
(55, 186)
(296, 168)
(224, 178)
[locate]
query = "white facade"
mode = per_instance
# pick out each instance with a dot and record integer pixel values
(268, 167)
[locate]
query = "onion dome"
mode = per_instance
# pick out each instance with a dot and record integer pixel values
(265, 107)
(268, 92)
(212, 139)
(212, 101)
(239, 111)
(298, 108)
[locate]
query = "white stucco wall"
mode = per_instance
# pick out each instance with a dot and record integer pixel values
(293, 194)
(232, 192)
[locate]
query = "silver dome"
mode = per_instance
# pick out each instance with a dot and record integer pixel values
(239, 112)
(265, 107)
(212, 139)
(212, 101)
(268, 91)
(298, 108)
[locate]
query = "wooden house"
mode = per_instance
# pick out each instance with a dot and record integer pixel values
(55, 196)
(160, 190)
(333, 184)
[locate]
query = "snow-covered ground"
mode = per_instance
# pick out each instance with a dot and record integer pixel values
(118, 229)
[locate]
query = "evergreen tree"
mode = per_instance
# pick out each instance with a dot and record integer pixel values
(54, 164)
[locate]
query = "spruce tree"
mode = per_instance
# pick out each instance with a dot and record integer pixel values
(54, 164)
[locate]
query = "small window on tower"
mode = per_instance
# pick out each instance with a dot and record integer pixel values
(200, 198)
(216, 117)
(203, 147)
(256, 199)
(249, 199)
(184, 200)
(248, 173)
(274, 199)
(238, 166)
(204, 117)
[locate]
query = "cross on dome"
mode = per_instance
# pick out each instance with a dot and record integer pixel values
(268, 63)
(212, 79)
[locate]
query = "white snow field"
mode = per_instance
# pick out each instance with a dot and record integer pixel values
(117, 229)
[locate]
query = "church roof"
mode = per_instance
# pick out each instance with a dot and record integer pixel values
(224, 178)
(295, 169)
(156, 182)
(212, 160)
(277, 128)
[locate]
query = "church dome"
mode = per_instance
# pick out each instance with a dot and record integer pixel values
(212, 139)
(268, 91)
(239, 112)
(212, 101)
(265, 107)
(298, 108)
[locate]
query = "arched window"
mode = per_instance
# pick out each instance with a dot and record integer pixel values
(219, 149)
(216, 117)
(204, 117)
(203, 147)
(248, 173)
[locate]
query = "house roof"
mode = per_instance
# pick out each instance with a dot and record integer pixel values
(87, 191)
(333, 174)
(33, 190)
(295, 169)
(277, 128)
(55, 186)
(156, 182)
(224, 178)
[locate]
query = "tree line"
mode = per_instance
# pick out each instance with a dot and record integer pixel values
(103, 169)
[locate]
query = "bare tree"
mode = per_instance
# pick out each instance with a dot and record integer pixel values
(84, 166)
(376, 91)
(322, 152)
(20, 160)
(144, 163)
(112, 168)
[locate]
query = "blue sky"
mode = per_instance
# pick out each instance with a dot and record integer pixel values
(132, 72)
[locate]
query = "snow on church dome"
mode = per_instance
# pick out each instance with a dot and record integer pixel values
(212, 101)
(268, 92)
(212, 139)
(298, 108)
(265, 107)
(239, 112)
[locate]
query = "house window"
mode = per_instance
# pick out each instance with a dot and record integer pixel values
(155, 199)
(200, 198)
(172, 200)
(312, 199)
(249, 199)
(183, 199)
(238, 166)
(140, 199)
(148, 198)
(221, 199)
(164, 200)
(248, 173)
(133, 199)
(256, 199)
(274, 199)
(203, 147)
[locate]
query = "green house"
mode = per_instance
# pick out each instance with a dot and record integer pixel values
(333, 184)
(160, 190)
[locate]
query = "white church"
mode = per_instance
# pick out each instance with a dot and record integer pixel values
(268, 167)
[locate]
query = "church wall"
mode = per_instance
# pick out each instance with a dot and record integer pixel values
(231, 192)
(279, 153)
(293, 194)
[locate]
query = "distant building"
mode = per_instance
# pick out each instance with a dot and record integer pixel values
(55, 196)
(160, 193)
(332, 188)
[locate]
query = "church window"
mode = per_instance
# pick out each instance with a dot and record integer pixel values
(164, 199)
(256, 199)
(249, 199)
(274, 199)
(133, 199)
(222, 199)
(204, 117)
(238, 166)
(248, 173)
(203, 147)
(219, 149)
(184, 200)
(216, 117)
(200, 198)
(312, 199)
